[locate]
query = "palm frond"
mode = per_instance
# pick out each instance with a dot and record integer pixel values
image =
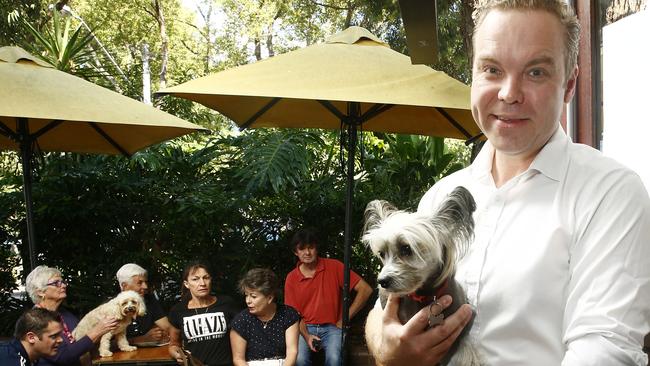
(66, 49)
(277, 159)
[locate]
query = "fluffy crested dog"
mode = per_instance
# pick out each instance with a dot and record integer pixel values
(419, 253)
(124, 307)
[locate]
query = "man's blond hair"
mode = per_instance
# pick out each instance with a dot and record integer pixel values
(559, 8)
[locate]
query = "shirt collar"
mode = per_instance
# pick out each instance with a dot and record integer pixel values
(550, 161)
(320, 266)
(482, 165)
(21, 351)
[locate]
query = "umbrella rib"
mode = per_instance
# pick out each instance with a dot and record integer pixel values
(332, 108)
(376, 110)
(5, 130)
(109, 139)
(472, 139)
(454, 122)
(44, 130)
(259, 113)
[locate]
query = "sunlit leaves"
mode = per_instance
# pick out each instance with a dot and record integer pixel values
(65, 48)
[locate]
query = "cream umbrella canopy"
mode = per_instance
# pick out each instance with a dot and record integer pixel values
(47, 109)
(353, 81)
(302, 89)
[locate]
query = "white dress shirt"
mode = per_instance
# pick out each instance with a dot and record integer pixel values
(559, 270)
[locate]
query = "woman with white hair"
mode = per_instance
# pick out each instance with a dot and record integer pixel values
(47, 290)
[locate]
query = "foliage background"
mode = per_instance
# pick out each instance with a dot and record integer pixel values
(231, 199)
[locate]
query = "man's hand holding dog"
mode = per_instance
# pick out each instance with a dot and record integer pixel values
(414, 343)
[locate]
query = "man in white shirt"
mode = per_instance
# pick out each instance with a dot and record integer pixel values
(558, 272)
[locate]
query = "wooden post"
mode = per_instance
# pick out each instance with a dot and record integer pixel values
(588, 122)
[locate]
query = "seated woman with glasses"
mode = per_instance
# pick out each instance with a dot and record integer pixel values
(47, 290)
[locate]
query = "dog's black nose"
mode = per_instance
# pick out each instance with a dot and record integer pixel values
(385, 282)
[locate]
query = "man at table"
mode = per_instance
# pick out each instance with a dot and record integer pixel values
(37, 334)
(154, 325)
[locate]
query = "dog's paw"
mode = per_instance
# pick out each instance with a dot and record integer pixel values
(105, 353)
(128, 348)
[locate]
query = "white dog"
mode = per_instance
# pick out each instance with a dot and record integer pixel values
(124, 307)
(419, 253)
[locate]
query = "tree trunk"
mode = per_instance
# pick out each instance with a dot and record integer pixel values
(269, 42)
(348, 15)
(146, 75)
(467, 27)
(269, 38)
(258, 48)
(208, 43)
(164, 41)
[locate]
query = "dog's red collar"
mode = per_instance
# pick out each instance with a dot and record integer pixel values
(426, 299)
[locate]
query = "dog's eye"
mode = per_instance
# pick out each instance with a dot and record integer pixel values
(405, 250)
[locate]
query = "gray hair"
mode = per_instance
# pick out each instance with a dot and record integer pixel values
(126, 272)
(559, 8)
(37, 281)
(262, 280)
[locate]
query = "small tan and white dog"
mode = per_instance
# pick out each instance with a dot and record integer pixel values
(124, 307)
(418, 252)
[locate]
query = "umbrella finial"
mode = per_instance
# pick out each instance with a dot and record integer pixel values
(353, 35)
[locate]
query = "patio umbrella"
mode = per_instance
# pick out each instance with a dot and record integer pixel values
(352, 81)
(47, 109)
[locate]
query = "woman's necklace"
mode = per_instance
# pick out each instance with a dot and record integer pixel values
(265, 323)
(196, 310)
(207, 307)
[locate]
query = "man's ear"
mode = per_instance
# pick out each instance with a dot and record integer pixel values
(122, 286)
(571, 84)
(32, 338)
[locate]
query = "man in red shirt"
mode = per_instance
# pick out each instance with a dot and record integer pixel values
(314, 289)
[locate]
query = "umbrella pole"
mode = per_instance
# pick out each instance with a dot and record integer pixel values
(26, 154)
(352, 124)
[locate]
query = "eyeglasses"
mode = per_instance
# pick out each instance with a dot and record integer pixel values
(57, 283)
